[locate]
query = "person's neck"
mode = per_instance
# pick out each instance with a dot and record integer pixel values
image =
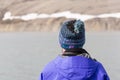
(73, 52)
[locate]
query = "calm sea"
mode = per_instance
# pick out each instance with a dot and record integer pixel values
(23, 55)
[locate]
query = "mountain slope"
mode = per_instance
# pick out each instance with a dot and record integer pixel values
(22, 7)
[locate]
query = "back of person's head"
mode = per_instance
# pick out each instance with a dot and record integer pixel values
(72, 34)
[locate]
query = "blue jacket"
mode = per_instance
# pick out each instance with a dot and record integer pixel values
(74, 68)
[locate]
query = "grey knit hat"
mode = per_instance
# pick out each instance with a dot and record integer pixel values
(72, 34)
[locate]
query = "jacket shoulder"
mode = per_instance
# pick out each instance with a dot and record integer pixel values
(100, 73)
(48, 70)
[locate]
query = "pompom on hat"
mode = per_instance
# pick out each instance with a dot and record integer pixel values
(72, 34)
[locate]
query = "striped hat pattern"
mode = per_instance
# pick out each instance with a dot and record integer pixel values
(72, 34)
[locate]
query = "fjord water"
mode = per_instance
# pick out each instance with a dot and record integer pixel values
(24, 54)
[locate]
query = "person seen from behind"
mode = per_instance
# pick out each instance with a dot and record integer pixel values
(75, 63)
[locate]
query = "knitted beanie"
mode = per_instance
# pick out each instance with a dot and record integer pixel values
(72, 34)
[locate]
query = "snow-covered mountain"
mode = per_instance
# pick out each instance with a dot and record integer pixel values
(98, 12)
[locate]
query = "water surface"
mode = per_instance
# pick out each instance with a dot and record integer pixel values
(23, 55)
